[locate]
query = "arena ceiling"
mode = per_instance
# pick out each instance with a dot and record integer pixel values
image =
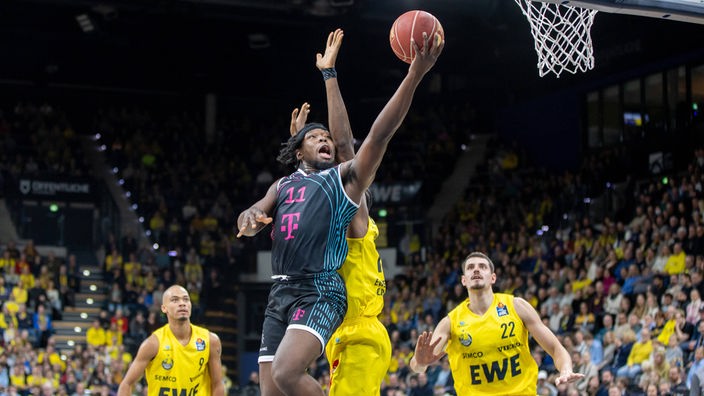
(265, 47)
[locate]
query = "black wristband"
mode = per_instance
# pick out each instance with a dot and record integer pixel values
(329, 73)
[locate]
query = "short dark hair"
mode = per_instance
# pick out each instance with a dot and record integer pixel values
(480, 255)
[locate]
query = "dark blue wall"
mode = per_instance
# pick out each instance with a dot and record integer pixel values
(548, 128)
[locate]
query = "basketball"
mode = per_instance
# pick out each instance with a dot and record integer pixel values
(412, 24)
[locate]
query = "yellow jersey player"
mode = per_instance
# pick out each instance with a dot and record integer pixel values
(178, 358)
(359, 351)
(486, 339)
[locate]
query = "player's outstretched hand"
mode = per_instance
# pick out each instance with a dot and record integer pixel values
(568, 377)
(331, 49)
(299, 118)
(252, 219)
(425, 349)
(425, 58)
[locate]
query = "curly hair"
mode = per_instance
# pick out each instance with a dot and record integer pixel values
(287, 154)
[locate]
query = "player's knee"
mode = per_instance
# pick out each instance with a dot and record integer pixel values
(285, 376)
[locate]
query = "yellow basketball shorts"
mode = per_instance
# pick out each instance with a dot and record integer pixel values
(359, 353)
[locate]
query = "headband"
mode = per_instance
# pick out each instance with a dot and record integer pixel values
(298, 138)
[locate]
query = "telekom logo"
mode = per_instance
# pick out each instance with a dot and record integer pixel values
(289, 221)
(299, 314)
(290, 224)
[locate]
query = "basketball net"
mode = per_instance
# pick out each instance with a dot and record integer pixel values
(562, 36)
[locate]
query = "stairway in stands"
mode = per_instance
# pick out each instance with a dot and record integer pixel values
(223, 322)
(71, 329)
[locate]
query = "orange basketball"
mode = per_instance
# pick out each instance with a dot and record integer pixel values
(412, 24)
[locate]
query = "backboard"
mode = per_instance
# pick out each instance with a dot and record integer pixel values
(691, 11)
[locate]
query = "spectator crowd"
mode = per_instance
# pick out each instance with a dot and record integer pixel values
(622, 290)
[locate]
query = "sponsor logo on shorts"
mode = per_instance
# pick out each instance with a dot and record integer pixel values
(299, 314)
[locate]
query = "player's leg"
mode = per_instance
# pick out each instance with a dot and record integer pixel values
(378, 354)
(359, 357)
(334, 351)
(273, 330)
(266, 381)
(297, 351)
(319, 308)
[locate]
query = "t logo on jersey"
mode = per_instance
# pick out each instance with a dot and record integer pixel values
(299, 314)
(289, 224)
(200, 344)
(501, 310)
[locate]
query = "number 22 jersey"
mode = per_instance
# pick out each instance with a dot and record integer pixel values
(489, 353)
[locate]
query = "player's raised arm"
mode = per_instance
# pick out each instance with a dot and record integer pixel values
(338, 119)
(358, 174)
(339, 122)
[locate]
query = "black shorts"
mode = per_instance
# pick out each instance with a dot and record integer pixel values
(316, 305)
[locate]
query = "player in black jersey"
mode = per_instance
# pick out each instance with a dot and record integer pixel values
(359, 350)
(310, 210)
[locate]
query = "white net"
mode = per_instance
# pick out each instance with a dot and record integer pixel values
(562, 36)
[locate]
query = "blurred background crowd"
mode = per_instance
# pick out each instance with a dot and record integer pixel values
(588, 194)
(621, 289)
